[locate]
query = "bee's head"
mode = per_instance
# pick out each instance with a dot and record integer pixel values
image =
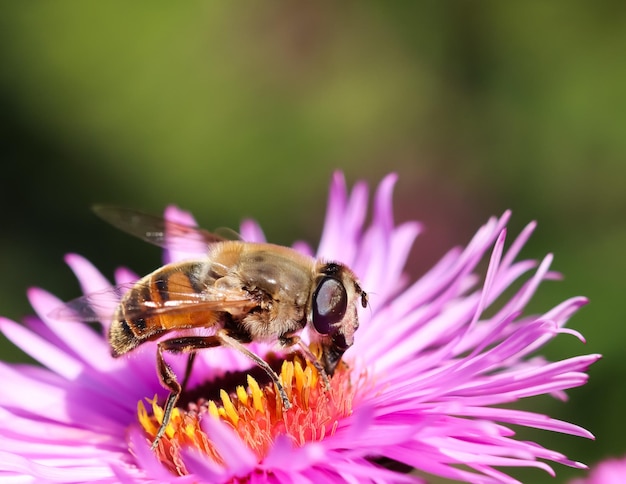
(333, 313)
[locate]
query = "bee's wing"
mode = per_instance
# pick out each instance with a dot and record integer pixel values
(156, 230)
(96, 306)
(102, 305)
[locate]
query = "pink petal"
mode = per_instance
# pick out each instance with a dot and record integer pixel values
(86, 344)
(237, 457)
(251, 231)
(193, 248)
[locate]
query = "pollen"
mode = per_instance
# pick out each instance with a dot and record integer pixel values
(255, 412)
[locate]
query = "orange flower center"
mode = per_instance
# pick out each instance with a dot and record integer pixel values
(256, 414)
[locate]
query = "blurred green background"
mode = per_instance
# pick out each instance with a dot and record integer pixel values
(234, 109)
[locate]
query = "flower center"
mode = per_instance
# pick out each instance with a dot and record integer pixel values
(255, 412)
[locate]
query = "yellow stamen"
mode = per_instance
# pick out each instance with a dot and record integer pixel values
(157, 411)
(299, 377)
(286, 375)
(229, 408)
(190, 431)
(257, 394)
(256, 414)
(213, 409)
(242, 396)
(145, 421)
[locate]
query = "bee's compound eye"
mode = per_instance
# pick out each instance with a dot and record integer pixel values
(329, 304)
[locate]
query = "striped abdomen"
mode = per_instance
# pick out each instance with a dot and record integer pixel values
(157, 303)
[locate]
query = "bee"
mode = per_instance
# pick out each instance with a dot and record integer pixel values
(245, 292)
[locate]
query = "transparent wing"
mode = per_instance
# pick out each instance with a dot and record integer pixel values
(156, 230)
(102, 305)
(96, 306)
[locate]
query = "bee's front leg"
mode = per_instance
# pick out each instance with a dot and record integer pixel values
(287, 340)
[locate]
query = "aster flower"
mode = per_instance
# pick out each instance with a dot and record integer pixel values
(423, 385)
(609, 471)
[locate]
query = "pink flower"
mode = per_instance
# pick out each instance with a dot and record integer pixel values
(610, 471)
(432, 363)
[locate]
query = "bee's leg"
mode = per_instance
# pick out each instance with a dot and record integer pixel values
(167, 376)
(308, 354)
(189, 344)
(288, 340)
(228, 340)
(190, 359)
(169, 381)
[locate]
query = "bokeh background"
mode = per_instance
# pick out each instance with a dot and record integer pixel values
(242, 109)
